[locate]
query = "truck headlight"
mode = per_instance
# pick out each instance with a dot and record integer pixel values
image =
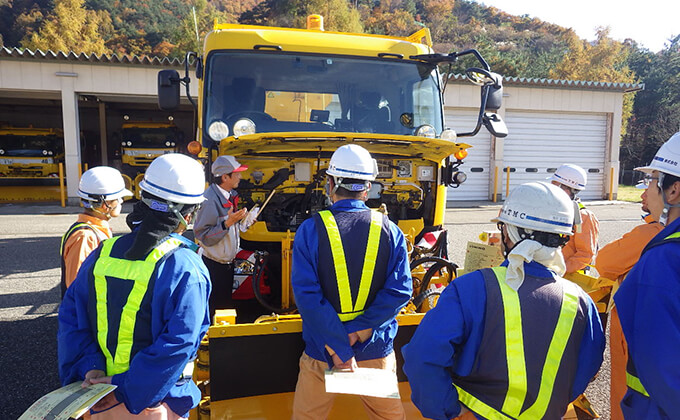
(448, 134)
(243, 127)
(426, 130)
(218, 130)
(2, 151)
(167, 144)
(44, 152)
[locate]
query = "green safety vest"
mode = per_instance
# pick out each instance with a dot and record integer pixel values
(632, 381)
(349, 311)
(138, 272)
(514, 351)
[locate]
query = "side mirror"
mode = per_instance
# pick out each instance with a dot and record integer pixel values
(168, 90)
(492, 86)
(494, 98)
(495, 124)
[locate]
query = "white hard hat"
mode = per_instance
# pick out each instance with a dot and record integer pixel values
(573, 176)
(176, 178)
(353, 161)
(538, 206)
(667, 158)
(102, 182)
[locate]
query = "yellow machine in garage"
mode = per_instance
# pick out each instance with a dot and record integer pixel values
(29, 163)
(140, 143)
(283, 100)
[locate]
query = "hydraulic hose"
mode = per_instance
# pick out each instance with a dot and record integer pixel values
(261, 258)
(439, 264)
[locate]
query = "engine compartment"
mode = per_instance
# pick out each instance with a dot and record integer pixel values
(404, 188)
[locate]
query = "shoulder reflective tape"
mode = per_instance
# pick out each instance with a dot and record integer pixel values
(479, 407)
(673, 236)
(558, 344)
(634, 383)
(349, 311)
(140, 273)
(517, 379)
(339, 262)
(68, 234)
(514, 346)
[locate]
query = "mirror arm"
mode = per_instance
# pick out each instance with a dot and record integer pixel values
(477, 55)
(482, 109)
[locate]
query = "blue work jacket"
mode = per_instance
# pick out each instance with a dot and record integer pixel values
(178, 320)
(648, 304)
(320, 323)
(447, 343)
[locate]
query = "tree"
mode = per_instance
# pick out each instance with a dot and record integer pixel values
(71, 27)
(338, 15)
(656, 113)
(186, 38)
(605, 60)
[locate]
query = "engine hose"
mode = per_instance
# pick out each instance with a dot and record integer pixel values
(439, 263)
(420, 299)
(258, 274)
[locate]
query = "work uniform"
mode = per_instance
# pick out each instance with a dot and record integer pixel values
(614, 261)
(510, 354)
(350, 274)
(648, 303)
(78, 242)
(219, 243)
(139, 321)
(582, 246)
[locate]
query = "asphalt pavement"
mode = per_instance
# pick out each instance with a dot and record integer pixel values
(30, 272)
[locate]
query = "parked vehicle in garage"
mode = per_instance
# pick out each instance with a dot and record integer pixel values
(143, 141)
(27, 152)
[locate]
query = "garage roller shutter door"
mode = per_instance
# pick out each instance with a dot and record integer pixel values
(477, 164)
(539, 142)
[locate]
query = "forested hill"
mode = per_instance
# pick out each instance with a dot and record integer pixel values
(513, 45)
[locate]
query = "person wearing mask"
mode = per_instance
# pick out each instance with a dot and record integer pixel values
(101, 191)
(218, 227)
(648, 301)
(137, 311)
(582, 246)
(614, 261)
(350, 278)
(511, 342)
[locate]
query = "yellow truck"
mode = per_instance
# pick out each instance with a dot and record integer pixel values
(143, 141)
(283, 100)
(30, 152)
(29, 163)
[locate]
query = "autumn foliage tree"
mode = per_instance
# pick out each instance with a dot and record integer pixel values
(71, 27)
(605, 60)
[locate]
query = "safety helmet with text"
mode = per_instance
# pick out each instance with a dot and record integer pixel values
(573, 176)
(666, 161)
(102, 183)
(538, 206)
(353, 161)
(667, 158)
(175, 178)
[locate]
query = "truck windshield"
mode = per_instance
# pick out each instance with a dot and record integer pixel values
(16, 145)
(150, 137)
(283, 92)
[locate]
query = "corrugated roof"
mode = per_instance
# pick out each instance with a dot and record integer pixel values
(526, 81)
(175, 62)
(89, 58)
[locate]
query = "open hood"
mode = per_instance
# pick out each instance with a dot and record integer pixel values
(380, 145)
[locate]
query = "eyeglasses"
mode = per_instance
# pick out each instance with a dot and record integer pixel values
(647, 180)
